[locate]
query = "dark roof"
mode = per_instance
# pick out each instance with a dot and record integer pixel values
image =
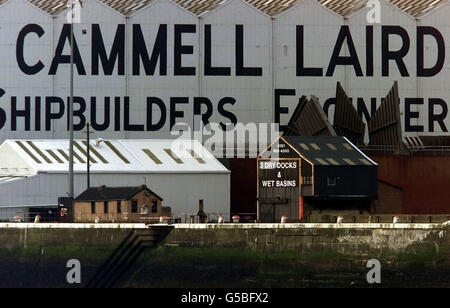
(104, 193)
(332, 151)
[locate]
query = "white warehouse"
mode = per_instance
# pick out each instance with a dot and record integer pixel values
(34, 173)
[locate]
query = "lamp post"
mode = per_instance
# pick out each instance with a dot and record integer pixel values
(71, 189)
(71, 182)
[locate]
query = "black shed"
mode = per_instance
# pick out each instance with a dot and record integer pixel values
(297, 174)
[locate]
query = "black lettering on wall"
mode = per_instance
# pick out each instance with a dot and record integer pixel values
(79, 113)
(300, 57)
(328, 103)
(25, 113)
(174, 114)
(65, 59)
(432, 71)
(281, 110)
(117, 53)
(24, 67)
(117, 113)
(2, 111)
(369, 51)
(409, 115)
(198, 103)
(352, 59)
(180, 50)
(163, 114)
(106, 116)
(37, 113)
(362, 109)
(439, 118)
(225, 113)
(127, 125)
(159, 52)
(240, 69)
(397, 56)
(209, 69)
(49, 115)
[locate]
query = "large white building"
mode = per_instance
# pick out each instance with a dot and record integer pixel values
(34, 173)
(142, 66)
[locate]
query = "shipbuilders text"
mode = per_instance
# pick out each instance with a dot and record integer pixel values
(152, 60)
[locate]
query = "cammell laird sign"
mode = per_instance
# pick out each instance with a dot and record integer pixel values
(164, 65)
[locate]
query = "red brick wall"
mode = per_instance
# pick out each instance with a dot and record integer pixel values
(83, 211)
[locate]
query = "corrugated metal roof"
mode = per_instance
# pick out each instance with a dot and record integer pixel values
(127, 7)
(309, 119)
(416, 8)
(52, 7)
(347, 121)
(118, 156)
(328, 151)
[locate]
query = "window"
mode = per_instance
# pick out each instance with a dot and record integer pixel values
(347, 146)
(331, 181)
(331, 146)
(134, 206)
(365, 161)
(349, 161)
(105, 207)
(315, 146)
(152, 156)
(307, 180)
(93, 207)
(304, 146)
(119, 207)
(332, 161)
(154, 206)
(321, 161)
(198, 158)
(173, 156)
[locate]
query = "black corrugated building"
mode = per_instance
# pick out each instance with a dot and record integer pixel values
(298, 174)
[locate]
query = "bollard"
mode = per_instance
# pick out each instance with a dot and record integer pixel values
(396, 219)
(283, 219)
(340, 219)
(201, 213)
(220, 219)
(37, 219)
(18, 218)
(236, 218)
(163, 219)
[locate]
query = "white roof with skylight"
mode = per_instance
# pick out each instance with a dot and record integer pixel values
(28, 157)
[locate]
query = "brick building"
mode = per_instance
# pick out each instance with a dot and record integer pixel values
(118, 204)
